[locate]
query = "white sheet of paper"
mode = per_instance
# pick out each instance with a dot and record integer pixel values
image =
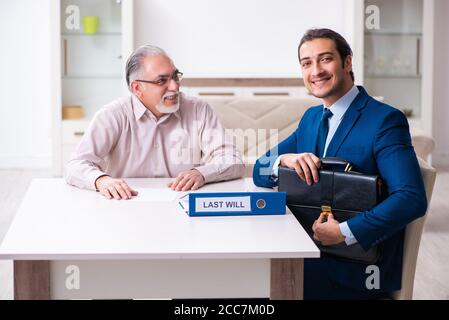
(155, 194)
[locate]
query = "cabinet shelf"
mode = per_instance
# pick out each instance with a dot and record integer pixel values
(99, 34)
(395, 34)
(91, 77)
(379, 76)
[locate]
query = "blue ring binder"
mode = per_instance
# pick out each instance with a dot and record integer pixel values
(233, 203)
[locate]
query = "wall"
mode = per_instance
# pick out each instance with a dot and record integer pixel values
(25, 91)
(234, 38)
(441, 86)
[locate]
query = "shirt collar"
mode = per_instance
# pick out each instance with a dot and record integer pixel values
(341, 105)
(177, 114)
(140, 109)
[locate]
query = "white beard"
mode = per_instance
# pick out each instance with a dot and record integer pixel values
(162, 108)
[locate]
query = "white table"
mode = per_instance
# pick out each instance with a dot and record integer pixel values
(70, 243)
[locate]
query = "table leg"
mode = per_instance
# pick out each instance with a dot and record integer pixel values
(31, 280)
(287, 279)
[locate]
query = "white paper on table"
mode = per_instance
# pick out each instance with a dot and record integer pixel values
(155, 194)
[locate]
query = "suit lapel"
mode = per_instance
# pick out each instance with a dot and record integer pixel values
(349, 119)
(314, 129)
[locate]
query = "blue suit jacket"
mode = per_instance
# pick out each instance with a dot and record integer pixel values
(375, 138)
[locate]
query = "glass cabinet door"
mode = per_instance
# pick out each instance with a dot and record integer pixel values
(91, 59)
(94, 56)
(393, 54)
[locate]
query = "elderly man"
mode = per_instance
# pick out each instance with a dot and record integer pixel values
(154, 132)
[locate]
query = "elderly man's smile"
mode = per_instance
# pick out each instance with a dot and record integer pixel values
(172, 98)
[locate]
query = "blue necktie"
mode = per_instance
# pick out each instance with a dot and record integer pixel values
(323, 130)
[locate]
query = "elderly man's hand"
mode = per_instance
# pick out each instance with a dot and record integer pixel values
(187, 180)
(114, 188)
(305, 164)
(327, 232)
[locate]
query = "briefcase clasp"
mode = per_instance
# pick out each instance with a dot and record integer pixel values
(326, 210)
(348, 167)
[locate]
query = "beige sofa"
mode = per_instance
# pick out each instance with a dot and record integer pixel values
(259, 123)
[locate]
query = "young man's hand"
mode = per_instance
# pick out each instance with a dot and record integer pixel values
(305, 164)
(327, 230)
(114, 188)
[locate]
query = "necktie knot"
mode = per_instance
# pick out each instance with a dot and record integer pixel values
(326, 114)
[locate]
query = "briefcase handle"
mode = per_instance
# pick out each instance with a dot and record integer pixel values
(335, 164)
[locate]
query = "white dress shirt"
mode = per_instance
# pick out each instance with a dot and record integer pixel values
(125, 140)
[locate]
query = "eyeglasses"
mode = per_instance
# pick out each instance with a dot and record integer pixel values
(161, 81)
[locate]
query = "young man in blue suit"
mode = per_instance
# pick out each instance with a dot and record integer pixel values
(375, 138)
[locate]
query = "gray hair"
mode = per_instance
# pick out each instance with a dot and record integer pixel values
(134, 62)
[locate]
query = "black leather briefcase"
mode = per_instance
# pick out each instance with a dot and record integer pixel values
(340, 190)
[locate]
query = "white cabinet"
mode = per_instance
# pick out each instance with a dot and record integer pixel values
(72, 132)
(92, 64)
(398, 57)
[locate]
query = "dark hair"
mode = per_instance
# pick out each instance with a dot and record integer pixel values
(341, 44)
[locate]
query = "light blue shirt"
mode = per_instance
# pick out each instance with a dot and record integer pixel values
(338, 109)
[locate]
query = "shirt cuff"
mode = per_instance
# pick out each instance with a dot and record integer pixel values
(275, 169)
(346, 232)
(92, 178)
(210, 172)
